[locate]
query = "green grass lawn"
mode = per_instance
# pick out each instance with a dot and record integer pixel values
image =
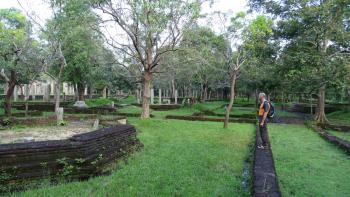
(237, 110)
(307, 165)
(342, 135)
(130, 109)
(183, 111)
(342, 117)
(97, 102)
(209, 105)
(180, 158)
(127, 100)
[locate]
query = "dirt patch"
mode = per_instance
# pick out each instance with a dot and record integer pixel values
(44, 133)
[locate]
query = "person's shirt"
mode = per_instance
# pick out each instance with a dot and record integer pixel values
(264, 107)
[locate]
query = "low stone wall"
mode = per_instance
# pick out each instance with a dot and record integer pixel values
(252, 116)
(75, 158)
(337, 127)
(201, 118)
(39, 106)
(265, 181)
(163, 107)
(131, 114)
(305, 108)
(30, 121)
(23, 114)
(92, 110)
(344, 144)
(211, 113)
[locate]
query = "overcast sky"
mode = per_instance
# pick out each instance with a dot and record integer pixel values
(42, 10)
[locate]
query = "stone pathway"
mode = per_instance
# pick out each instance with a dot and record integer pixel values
(265, 181)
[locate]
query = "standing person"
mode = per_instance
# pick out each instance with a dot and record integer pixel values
(263, 111)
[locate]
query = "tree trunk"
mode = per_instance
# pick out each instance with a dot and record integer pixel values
(57, 96)
(11, 87)
(81, 90)
(147, 78)
(205, 92)
(232, 97)
(321, 115)
(7, 104)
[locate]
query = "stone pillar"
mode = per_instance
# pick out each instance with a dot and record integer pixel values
(137, 96)
(96, 124)
(15, 93)
(152, 96)
(160, 96)
(52, 88)
(176, 96)
(34, 90)
(47, 90)
(104, 92)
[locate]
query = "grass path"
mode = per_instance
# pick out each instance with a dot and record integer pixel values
(180, 158)
(307, 165)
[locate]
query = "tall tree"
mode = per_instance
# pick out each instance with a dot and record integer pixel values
(315, 32)
(235, 54)
(205, 51)
(82, 44)
(17, 52)
(152, 28)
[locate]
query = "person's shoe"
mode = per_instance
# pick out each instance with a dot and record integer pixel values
(260, 147)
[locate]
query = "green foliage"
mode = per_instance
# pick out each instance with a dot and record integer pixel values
(341, 117)
(18, 51)
(67, 167)
(314, 33)
(82, 45)
(261, 70)
(127, 100)
(62, 123)
(6, 122)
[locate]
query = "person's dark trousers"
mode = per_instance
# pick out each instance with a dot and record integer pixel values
(263, 133)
